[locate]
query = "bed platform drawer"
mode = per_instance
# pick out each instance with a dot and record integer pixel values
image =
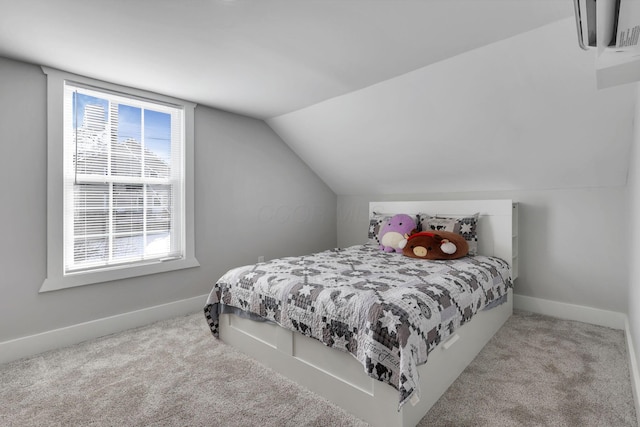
(340, 365)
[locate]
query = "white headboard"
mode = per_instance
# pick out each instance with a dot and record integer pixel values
(497, 223)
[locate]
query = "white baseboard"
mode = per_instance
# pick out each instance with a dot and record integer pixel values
(610, 319)
(62, 337)
(633, 368)
(595, 316)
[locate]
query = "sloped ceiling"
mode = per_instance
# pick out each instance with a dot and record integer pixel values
(260, 58)
(377, 96)
(521, 113)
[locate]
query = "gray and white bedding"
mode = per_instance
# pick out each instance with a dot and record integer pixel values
(387, 310)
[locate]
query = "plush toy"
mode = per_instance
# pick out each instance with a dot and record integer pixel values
(434, 245)
(393, 232)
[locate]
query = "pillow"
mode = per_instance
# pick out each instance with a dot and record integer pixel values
(376, 221)
(467, 227)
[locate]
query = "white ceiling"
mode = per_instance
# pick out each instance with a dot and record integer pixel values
(521, 113)
(376, 96)
(261, 58)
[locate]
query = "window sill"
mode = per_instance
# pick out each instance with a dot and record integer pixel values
(88, 278)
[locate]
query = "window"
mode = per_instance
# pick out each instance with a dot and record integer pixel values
(120, 182)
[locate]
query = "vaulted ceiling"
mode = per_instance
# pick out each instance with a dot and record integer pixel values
(376, 96)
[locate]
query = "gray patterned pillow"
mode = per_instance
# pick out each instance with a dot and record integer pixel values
(467, 227)
(376, 220)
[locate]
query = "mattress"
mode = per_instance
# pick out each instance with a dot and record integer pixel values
(387, 310)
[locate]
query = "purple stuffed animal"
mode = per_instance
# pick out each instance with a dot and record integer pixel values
(393, 232)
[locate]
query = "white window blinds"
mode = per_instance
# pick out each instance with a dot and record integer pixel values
(123, 180)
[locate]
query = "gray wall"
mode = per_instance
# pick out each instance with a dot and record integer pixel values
(253, 196)
(572, 242)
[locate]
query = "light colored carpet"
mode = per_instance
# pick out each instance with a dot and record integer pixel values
(542, 371)
(537, 371)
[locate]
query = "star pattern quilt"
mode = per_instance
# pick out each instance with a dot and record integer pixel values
(387, 310)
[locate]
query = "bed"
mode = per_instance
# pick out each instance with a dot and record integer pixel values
(379, 334)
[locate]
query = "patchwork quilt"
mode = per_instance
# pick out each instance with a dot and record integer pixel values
(387, 310)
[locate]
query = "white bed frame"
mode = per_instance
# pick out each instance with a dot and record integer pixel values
(340, 377)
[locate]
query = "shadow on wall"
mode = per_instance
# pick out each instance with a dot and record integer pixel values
(533, 243)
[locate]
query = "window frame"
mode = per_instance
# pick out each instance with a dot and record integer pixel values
(56, 277)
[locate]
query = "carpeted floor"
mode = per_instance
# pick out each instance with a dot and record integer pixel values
(542, 371)
(537, 371)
